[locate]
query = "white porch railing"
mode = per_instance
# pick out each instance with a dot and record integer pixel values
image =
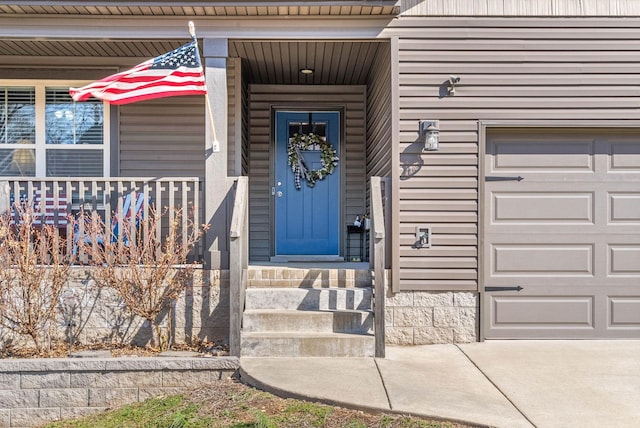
(105, 196)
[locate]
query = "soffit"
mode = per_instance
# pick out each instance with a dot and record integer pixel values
(87, 49)
(266, 62)
(202, 8)
(279, 62)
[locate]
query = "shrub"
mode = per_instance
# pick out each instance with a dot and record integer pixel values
(33, 272)
(147, 270)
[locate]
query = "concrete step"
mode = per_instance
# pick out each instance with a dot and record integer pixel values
(341, 321)
(319, 277)
(308, 298)
(288, 344)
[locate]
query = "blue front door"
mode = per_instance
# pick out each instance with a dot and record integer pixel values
(307, 218)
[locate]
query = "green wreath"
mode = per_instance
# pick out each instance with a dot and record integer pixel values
(310, 141)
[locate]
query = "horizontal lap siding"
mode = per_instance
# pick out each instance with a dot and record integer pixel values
(520, 8)
(262, 98)
(162, 138)
(379, 115)
(510, 69)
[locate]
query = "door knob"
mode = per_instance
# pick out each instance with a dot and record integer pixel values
(279, 194)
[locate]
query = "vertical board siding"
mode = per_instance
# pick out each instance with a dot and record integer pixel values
(238, 97)
(233, 83)
(510, 70)
(379, 115)
(262, 98)
(520, 8)
(245, 118)
(162, 138)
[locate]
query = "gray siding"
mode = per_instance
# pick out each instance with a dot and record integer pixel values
(234, 97)
(162, 138)
(520, 8)
(42, 72)
(523, 70)
(244, 164)
(379, 115)
(262, 98)
(238, 95)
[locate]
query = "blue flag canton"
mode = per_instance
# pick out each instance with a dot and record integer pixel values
(184, 56)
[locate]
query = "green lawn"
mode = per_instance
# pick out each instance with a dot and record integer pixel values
(230, 404)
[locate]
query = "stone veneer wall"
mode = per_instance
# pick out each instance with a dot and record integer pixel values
(427, 317)
(201, 313)
(34, 392)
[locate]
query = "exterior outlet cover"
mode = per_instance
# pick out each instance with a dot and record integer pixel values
(423, 236)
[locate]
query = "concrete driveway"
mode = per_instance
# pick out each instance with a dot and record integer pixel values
(495, 383)
(562, 383)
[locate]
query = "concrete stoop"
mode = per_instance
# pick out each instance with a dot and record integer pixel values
(308, 322)
(309, 344)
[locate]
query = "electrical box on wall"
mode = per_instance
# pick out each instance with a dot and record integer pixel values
(423, 236)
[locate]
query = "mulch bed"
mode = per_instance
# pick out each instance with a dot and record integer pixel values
(61, 350)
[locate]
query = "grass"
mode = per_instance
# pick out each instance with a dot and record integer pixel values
(230, 404)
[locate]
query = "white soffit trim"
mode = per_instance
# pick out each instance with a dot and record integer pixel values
(87, 28)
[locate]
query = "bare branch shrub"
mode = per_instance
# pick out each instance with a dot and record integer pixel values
(33, 272)
(147, 270)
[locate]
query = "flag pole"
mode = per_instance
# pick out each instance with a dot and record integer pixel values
(216, 145)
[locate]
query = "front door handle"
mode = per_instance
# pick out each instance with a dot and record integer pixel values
(279, 194)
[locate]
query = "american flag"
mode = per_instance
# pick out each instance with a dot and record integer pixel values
(178, 72)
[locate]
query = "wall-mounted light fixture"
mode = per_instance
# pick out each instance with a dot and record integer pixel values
(429, 130)
(307, 71)
(453, 81)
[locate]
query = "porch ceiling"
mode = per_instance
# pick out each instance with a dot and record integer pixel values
(85, 48)
(333, 62)
(268, 62)
(201, 8)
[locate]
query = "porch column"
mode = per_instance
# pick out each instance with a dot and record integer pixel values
(216, 241)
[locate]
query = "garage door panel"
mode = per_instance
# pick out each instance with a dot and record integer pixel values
(545, 314)
(542, 155)
(624, 207)
(624, 156)
(624, 260)
(543, 311)
(543, 207)
(542, 259)
(624, 312)
(561, 224)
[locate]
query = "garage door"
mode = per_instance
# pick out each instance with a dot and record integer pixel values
(561, 234)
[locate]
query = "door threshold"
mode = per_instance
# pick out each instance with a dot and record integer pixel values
(306, 258)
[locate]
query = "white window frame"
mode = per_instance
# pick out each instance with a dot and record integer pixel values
(40, 145)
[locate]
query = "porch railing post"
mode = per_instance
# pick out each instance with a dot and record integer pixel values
(238, 251)
(378, 261)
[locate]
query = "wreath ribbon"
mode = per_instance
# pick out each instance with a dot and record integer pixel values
(299, 167)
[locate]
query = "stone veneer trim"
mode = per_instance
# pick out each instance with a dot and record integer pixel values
(36, 391)
(431, 317)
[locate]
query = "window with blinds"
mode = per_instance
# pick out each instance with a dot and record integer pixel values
(17, 128)
(69, 142)
(74, 163)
